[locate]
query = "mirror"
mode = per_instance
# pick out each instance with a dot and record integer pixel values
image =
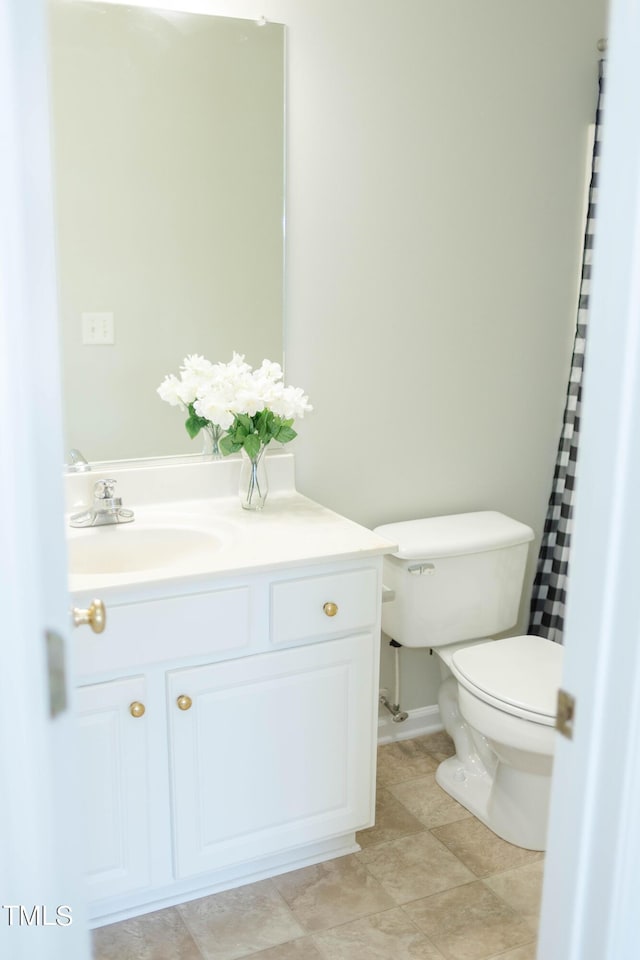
(168, 141)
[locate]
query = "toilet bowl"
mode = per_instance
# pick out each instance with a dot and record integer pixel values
(505, 692)
(455, 580)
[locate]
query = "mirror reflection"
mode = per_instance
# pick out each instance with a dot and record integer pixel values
(168, 138)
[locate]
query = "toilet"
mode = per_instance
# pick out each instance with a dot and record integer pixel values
(456, 581)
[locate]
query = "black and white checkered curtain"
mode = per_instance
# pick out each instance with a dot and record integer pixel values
(550, 584)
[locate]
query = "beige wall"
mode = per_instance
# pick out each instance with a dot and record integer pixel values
(435, 184)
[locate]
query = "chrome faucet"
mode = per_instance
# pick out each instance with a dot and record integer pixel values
(106, 509)
(77, 463)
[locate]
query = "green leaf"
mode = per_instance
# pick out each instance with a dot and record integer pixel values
(194, 423)
(263, 429)
(285, 434)
(245, 421)
(194, 426)
(252, 445)
(229, 445)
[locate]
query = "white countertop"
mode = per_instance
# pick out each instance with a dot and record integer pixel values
(290, 530)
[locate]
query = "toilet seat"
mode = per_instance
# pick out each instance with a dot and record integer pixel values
(518, 675)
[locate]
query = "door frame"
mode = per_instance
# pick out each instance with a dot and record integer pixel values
(589, 908)
(39, 853)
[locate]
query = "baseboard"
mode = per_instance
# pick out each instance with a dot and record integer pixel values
(150, 900)
(420, 721)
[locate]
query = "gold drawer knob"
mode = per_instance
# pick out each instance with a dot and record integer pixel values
(95, 615)
(136, 709)
(184, 702)
(330, 608)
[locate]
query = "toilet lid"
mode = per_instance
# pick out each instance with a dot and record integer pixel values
(454, 536)
(520, 675)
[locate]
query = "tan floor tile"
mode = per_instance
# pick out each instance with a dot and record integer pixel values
(414, 867)
(294, 950)
(393, 820)
(480, 849)
(380, 937)
(469, 922)
(237, 922)
(161, 935)
(346, 909)
(428, 802)
(527, 952)
(521, 888)
(403, 760)
(331, 893)
(439, 745)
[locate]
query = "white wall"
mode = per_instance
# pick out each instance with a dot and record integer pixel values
(435, 181)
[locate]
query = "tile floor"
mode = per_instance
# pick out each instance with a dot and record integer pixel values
(430, 883)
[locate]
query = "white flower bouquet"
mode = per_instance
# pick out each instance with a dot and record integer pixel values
(244, 408)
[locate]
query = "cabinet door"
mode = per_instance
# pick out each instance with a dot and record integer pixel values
(275, 751)
(112, 778)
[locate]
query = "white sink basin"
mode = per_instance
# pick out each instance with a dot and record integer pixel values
(125, 548)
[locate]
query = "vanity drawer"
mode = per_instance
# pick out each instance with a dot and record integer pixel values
(323, 606)
(212, 623)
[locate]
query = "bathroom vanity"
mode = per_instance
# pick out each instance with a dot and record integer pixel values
(228, 713)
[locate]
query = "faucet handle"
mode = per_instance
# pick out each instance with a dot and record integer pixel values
(103, 489)
(77, 463)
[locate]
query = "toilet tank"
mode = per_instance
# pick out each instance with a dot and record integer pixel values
(455, 578)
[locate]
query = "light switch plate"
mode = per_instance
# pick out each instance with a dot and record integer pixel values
(98, 329)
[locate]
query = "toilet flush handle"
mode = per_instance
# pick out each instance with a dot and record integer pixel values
(418, 569)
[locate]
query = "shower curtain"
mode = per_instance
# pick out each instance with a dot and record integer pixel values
(550, 584)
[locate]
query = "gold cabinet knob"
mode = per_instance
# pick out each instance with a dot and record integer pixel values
(184, 702)
(330, 608)
(136, 709)
(95, 616)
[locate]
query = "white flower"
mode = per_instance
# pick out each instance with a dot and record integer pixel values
(220, 391)
(215, 407)
(237, 362)
(197, 365)
(290, 403)
(249, 398)
(268, 370)
(169, 390)
(196, 374)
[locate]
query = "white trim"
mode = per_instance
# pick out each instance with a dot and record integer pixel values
(590, 909)
(37, 848)
(122, 908)
(419, 722)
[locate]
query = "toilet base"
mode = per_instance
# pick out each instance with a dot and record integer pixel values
(471, 789)
(511, 803)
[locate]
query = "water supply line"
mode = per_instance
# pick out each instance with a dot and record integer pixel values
(397, 715)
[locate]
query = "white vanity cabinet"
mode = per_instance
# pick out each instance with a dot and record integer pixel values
(113, 757)
(256, 749)
(273, 753)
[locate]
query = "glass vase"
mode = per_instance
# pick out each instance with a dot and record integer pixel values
(254, 483)
(211, 435)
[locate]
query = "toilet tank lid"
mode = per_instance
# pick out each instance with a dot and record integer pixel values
(454, 535)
